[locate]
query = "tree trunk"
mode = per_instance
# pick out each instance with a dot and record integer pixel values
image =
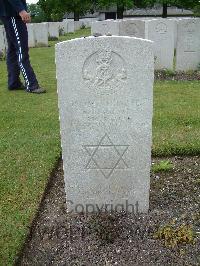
(76, 15)
(120, 11)
(164, 15)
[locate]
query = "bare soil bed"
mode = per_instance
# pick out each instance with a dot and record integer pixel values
(178, 76)
(122, 239)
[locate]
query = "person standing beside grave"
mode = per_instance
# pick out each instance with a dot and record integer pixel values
(14, 15)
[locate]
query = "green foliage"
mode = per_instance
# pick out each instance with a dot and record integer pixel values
(162, 166)
(189, 4)
(37, 14)
(56, 9)
(174, 236)
(196, 10)
(120, 4)
(83, 27)
(108, 3)
(179, 3)
(168, 73)
(52, 38)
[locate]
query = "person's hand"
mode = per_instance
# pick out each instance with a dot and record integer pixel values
(25, 16)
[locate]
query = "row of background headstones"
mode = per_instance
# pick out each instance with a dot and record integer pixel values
(176, 41)
(39, 33)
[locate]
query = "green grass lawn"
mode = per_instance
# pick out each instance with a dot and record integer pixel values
(176, 123)
(30, 141)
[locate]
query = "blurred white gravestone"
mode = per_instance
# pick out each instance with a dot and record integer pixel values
(64, 27)
(41, 34)
(105, 27)
(3, 40)
(53, 29)
(105, 102)
(78, 25)
(133, 28)
(188, 45)
(71, 26)
(31, 35)
(161, 32)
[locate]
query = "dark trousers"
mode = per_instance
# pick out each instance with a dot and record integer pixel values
(18, 54)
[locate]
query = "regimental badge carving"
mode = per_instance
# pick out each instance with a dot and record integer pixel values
(161, 28)
(132, 29)
(104, 70)
(106, 157)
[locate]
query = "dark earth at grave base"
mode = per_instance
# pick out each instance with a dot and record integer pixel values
(120, 239)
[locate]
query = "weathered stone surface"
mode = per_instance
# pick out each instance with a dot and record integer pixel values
(161, 32)
(41, 34)
(64, 26)
(3, 40)
(175, 20)
(105, 27)
(133, 28)
(53, 29)
(78, 25)
(87, 22)
(71, 26)
(105, 102)
(31, 35)
(188, 44)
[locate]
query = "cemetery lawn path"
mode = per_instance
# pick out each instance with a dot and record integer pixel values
(30, 141)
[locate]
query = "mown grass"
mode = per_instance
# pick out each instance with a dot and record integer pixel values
(176, 123)
(30, 141)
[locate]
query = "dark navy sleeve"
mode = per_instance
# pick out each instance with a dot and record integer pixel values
(17, 5)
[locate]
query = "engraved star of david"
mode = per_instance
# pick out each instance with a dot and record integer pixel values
(106, 157)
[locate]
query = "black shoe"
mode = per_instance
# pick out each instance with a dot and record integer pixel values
(20, 87)
(37, 90)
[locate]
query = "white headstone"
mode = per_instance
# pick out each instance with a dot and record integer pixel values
(161, 32)
(31, 35)
(133, 28)
(87, 22)
(64, 26)
(105, 102)
(78, 25)
(3, 40)
(188, 45)
(105, 27)
(41, 34)
(71, 27)
(175, 20)
(53, 29)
